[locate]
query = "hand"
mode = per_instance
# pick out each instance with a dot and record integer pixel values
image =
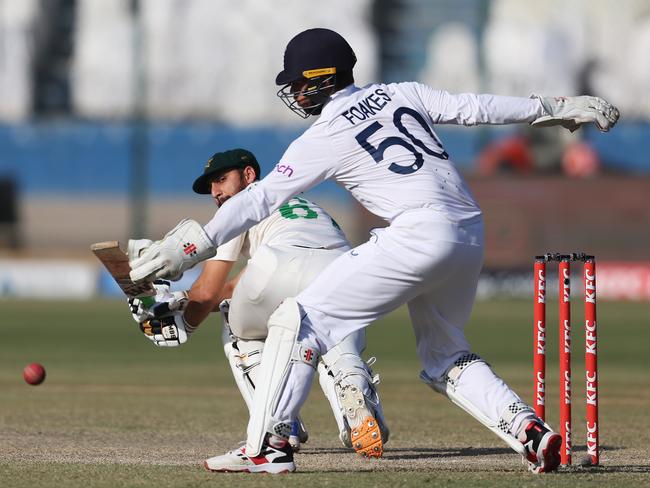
(572, 112)
(164, 302)
(182, 248)
(168, 331)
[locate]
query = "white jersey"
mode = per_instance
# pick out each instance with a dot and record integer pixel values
(298, 222)
(378, 142)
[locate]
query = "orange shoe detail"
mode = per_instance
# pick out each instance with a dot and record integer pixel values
(366, 439)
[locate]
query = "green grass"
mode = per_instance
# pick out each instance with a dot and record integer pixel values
(115, 411)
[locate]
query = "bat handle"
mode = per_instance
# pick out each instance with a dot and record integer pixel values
(147, 301)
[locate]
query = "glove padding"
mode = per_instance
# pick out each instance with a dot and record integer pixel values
(182, 248)
(136, 246)
(168, 331)
(165, 302)
(572, 112)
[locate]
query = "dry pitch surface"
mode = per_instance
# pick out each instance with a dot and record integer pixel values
(114, 411)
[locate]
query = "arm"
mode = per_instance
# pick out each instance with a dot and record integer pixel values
(307, 162)
(172, 326)
(472, 109)
(208, 291)
(174, 316)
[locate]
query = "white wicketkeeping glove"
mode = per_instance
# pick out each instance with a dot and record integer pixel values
(572, 112)
(164, 302)
(182, 248)
(135, 247)
(168, 331)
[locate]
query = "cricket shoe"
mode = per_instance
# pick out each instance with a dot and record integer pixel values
(365, 433)
(276, 456)
(542, 447)
(299, 435)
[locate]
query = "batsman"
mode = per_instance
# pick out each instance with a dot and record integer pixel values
(284, 253)
(379, 142)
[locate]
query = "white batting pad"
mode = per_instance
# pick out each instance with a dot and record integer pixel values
(279, 350)
(493, 408)
(244, 358)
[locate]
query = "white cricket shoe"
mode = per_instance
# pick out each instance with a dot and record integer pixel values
(542, 447)
(368, 401)
(275, 457)
(365, 434)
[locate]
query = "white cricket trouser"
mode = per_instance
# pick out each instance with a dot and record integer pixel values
(422, 260)
(419, 259)
(273, 274)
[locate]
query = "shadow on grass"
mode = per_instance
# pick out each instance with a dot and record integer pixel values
(420, 453)
(406, 453)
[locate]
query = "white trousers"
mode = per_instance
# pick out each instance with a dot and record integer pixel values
(273, 274)
(430, 264)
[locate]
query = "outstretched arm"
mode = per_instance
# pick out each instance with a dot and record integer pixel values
(189, 243)
(473, 109)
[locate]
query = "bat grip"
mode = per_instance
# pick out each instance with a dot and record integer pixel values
(147, 301)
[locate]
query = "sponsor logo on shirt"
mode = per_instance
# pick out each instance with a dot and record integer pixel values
(284, 169)
(367, 107)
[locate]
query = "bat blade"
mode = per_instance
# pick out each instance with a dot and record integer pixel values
(116, 262)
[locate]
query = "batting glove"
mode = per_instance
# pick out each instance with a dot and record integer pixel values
(164, 302)
(168, 331)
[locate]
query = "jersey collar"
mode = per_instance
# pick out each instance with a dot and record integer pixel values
(341, 94)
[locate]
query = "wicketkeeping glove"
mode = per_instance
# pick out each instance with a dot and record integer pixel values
(135, 247)
(182, 248)
(168, 331)
(572, 112)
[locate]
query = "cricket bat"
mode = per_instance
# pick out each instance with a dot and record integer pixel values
(116, 261)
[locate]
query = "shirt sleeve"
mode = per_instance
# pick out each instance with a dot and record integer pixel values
(231, 250)
(473, 109)
(308, 161)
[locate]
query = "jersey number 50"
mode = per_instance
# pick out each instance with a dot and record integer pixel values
(377, 152)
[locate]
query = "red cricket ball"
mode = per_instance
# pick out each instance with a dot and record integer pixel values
(34, 374)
